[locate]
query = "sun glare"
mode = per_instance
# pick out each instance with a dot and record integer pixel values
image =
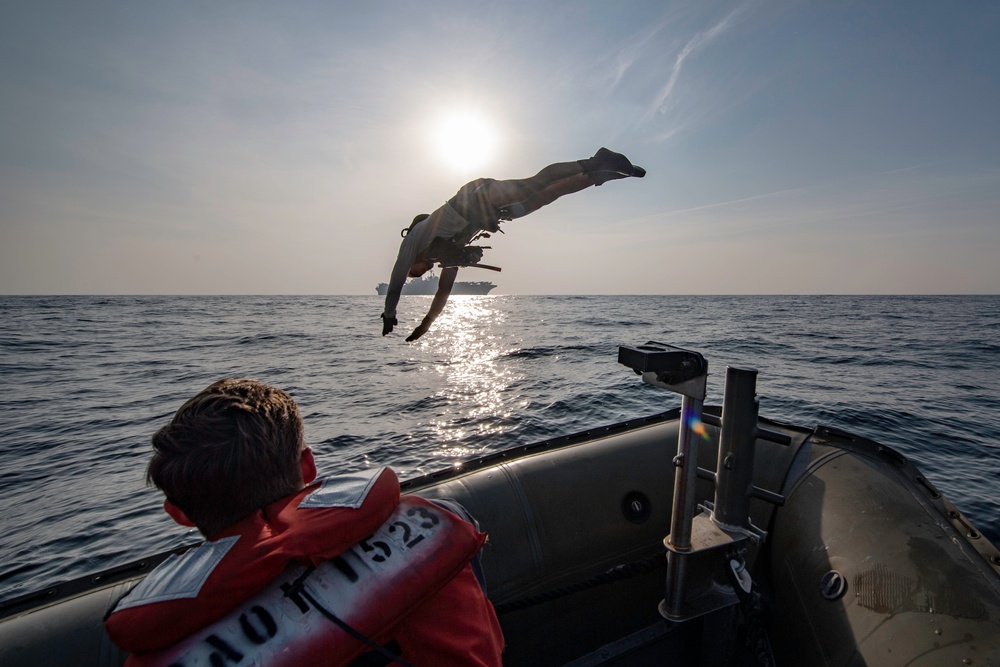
(465, 140)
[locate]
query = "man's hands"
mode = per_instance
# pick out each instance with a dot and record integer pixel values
(388, 323)
(419, 331)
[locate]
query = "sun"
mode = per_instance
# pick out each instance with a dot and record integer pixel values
(465, 140)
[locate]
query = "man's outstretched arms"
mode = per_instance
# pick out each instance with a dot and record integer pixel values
(445, 283)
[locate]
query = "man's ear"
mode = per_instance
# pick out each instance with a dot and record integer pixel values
(177, 514)
(308, 463)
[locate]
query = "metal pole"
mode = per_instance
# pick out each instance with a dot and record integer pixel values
(737, 442)
(682, 515)
(685, 475)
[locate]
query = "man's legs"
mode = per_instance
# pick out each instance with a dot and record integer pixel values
(519, 197)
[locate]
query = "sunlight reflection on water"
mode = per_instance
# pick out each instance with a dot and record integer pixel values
(474, 379)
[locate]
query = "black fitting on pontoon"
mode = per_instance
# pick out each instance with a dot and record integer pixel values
(671, 365)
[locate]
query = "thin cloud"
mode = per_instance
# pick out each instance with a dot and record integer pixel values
(636, 50)
(695, 44)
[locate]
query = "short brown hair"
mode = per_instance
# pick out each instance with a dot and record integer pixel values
(233, 448)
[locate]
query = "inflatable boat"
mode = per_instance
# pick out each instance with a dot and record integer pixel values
(699, 536)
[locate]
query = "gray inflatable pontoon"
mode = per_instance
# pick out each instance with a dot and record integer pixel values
(611, 547)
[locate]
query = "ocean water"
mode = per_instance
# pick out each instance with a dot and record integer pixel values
(85, 381)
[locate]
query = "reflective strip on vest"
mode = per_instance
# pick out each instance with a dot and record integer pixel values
(348, 490)
(179, 577)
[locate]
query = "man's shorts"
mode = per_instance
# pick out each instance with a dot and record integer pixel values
(472, 202)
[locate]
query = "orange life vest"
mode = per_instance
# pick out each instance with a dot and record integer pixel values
(199, 610)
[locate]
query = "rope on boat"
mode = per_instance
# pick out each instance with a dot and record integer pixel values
(617, 573)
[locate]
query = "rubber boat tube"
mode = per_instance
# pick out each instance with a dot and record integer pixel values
(871, 565)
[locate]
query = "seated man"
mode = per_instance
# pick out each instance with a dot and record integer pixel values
(478, 207)
(233, 463)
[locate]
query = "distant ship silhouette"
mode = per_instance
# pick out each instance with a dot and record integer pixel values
(428, 285)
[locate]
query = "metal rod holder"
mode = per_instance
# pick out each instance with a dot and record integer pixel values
(737, 445)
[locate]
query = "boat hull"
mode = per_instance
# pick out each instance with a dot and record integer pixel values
(575, 561)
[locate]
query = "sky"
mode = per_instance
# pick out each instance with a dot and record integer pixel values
(278, 148)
